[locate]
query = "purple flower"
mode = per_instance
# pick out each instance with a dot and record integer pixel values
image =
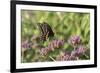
(79, 51)
(74, 40)
(43, 51)
(25, 44)
(56, 43)
(60, 42)
(53, 45)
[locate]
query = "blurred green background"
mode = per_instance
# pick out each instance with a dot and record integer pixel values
(64, 25)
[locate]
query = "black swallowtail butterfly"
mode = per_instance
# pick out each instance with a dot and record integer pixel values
(46, 31)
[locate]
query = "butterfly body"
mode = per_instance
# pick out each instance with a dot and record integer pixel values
(46, 31)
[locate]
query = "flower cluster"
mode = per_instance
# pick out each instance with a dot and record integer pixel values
(44, 51)
(74, 55)
(25, 45)
(78, 50)
(29, 43)
(74, 40)
(53, 45)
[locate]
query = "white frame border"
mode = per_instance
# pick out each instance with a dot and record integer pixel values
(51, 64)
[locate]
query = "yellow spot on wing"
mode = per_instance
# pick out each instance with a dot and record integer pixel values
(47, 35)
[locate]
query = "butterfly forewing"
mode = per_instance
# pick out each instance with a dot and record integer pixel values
(40, 28)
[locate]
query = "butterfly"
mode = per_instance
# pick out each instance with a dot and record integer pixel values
(46, 31)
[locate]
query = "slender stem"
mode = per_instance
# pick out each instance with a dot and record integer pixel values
(52, 58)
(86, 56)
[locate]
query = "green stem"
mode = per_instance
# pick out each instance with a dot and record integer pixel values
(86, 56)
(52, 58)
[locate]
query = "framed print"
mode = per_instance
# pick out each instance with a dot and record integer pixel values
(52, 36)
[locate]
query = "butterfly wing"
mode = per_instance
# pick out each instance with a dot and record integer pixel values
(40, 28)
(46, 30)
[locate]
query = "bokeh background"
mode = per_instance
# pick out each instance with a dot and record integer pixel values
(64, 25)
